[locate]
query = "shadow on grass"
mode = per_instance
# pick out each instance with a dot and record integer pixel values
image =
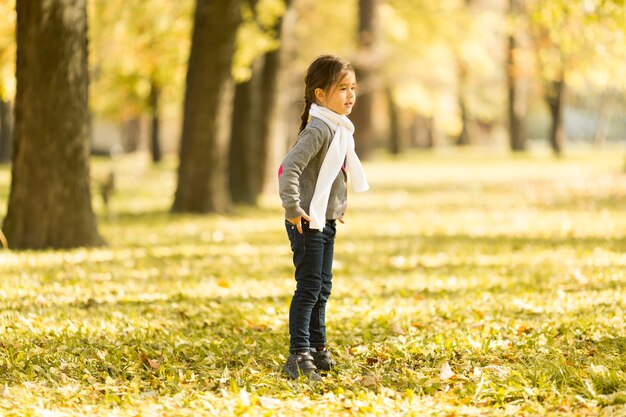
(482, 245)
(236, 212)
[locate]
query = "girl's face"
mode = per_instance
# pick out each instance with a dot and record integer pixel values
(340, 97)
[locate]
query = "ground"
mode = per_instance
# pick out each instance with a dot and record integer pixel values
(466, 283)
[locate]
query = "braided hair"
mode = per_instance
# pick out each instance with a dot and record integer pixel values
(323, 73)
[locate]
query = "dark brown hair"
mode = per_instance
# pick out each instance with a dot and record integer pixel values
(323, 73)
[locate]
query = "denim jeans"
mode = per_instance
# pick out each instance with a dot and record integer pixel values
(313, 259)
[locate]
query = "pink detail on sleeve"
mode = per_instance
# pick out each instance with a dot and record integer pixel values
(280, 170)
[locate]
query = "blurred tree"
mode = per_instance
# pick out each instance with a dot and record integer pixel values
(473, 36)
(7, 78)
(458, 46)
(396, 141)
(440, 60)
(50, 198)
(257, 67)
(138, 62)
(514, 72)
(155, 141)
(569, 38)
(366, 64)
(607, 73)
(412, 41)
(203, 173)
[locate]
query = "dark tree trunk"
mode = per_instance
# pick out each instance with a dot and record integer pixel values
(131, 134)
(269, 103)
(50, 198)
(464, 137)
(202, 174)
(555, 94)
(423, 131)
(6, 132)
(362, 118)
(155, 141)
(516, 102)
(253, 118)
(244, 139)
(395, 137)
(283, 127)
(365, 72)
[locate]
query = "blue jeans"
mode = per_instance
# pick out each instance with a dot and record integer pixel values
(313, 258)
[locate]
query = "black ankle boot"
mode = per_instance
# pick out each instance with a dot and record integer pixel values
(301, 363)
(322, 359)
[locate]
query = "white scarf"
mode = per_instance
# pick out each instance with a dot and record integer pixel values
(341, 148)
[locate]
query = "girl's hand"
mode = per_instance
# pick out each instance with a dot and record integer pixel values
(341, 220)
(298, 221)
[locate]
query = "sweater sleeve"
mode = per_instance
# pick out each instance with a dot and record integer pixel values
(308, 145)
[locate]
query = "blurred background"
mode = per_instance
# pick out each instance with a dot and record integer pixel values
(512, 75)
(439, 73)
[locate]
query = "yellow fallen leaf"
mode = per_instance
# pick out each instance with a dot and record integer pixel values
(370, 380)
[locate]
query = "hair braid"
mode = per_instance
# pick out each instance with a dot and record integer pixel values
(305, 113)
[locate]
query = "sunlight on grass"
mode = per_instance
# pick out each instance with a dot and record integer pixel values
(465, 284)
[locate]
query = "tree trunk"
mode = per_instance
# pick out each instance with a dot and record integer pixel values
(202, 173)
(131, 134)
(6, 132)
(365, 73)
(253, 123)
(50, 197)
(464, 136)
(395, 138)
(604, 121)
(423, 131)
(555, 94)
(244, 139)
(269, 103)
(155, 143)
(283, 127)
(516, 102)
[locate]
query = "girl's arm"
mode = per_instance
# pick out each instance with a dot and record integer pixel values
(308, 145)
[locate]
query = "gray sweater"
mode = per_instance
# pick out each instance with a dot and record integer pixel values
(299, 171)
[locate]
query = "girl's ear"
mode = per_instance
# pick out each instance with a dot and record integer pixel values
(320, 96)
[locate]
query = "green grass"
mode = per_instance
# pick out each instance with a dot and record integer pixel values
(509, 270)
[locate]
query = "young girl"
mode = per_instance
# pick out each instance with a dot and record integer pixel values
(313, 190)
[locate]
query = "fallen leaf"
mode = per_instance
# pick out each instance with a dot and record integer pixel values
(269, 403)
(371, 360)
(397, 329)
(143, 358)
(599, 369)
(370, 380)
(579, 276)
(497, 371)
(446, 372)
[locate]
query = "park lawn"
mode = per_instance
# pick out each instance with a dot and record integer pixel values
(466, 284)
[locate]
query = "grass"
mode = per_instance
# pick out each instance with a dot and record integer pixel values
(465, 284)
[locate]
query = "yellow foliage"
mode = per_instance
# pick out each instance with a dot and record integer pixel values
(256, 36)
(7, 49)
